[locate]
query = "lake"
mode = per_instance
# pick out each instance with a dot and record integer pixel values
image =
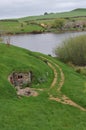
(44, 43)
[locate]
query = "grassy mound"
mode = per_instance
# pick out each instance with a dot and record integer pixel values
(16, 59)
(35, 113)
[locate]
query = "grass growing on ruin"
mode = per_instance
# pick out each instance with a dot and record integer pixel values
(15, 59)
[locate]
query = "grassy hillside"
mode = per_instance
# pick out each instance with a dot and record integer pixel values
(16, 27)
(41, 113)
(73, 13)
(42, 23)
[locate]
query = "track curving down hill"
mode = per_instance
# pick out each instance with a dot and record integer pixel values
(62, 98)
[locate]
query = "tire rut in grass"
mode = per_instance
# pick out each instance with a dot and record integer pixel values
(63, 98)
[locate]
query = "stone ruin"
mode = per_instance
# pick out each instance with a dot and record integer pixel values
(22, 82)
(21, 79)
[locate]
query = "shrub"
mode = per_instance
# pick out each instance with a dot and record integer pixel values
(58, 23)
(73, 50)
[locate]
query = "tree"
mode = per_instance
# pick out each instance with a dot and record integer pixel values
(45, 13)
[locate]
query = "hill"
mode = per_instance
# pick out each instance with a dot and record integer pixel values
(74, 13)
(45, 23)
(61, 100)
(80, 9)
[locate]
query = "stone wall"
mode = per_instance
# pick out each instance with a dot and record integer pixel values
(21, 79)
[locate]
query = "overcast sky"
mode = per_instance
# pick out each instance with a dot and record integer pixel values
(21, 8)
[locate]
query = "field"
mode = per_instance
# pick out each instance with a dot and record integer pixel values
(16, 27)
(43, 23)
(61, 105)
(73, 13)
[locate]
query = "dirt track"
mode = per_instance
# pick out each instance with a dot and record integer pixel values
(63, 99)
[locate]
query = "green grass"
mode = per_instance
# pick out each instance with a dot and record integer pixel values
(31, 24)
(74, 86)
(21, 61)
(39, 113)
(15, 27)
(74, 13)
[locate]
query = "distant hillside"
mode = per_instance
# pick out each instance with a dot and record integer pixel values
(80, 12)
(45, 23)
(80, 9)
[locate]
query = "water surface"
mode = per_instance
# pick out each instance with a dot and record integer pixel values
(44, 43)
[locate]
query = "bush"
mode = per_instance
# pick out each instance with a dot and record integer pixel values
(58, 23)
(73, 50)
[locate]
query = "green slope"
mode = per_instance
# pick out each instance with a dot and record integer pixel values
(42, 23)
(73, 13)
(40, 113)
(16, 27)
(16, 59)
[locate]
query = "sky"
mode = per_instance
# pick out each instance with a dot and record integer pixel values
(22, 8)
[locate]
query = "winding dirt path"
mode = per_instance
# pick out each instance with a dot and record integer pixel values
(63, 99)
(55, 75)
